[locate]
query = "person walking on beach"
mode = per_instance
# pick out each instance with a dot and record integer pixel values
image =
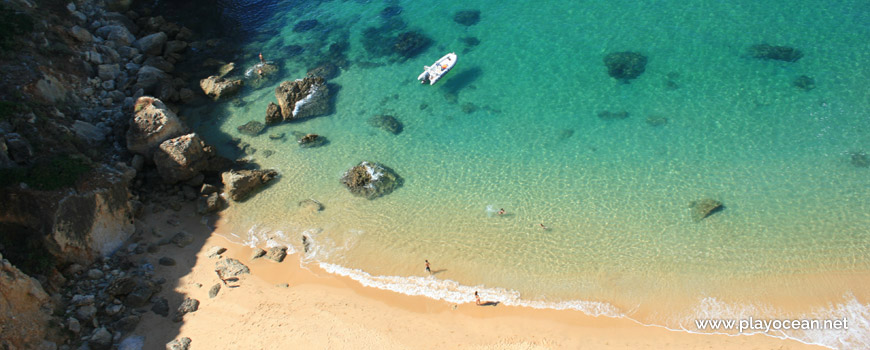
(428, 269)
(476, 298)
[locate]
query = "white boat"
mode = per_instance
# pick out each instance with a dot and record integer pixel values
(437, 69)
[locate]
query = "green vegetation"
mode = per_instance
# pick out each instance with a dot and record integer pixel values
(8, 110)
(58, 172)
(12, 24)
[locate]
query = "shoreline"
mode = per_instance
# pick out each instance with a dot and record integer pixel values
(323, 310)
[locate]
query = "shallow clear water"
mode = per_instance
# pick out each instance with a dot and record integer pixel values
(515, 125)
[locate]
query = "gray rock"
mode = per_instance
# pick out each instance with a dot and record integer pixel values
(136, 342)
(160, 307)
(239, 184)
(166, 261)
(108, 85)
(113, 309)
(121, 286)
(127, 324)
(371, 180)
(86, 313)
(251, 128)
(128, 52)
(189, 192)
(174, 46)
(132, 68)
(152, 44)
(213, 292)
(73, 325)
(215, 252)
(101, 339)
(258, 253)
(179, 344)
(116, 33)
(229, 268)
(81, 34)
(276, 254)
(79, 300)
(140, 296)
(159, 63)
(152, 81)
(187, 306)
(95, 274)
(137, 162)
(182, 239)
(196, 181)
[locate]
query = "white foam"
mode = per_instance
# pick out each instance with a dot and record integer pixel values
(300, 103)
(454, 292)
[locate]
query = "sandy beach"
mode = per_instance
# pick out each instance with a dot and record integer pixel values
(284, 305)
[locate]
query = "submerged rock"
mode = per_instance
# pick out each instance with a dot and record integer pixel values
(625, 65)
(309, 140)
(325, 70)
(251, 128)
(704, 208)
(467, 17)
(608, 115)
(304, 26)
(779, 53)
(410, 44)
(805, 83)
(273, 114)
(655, 120)
(239, 184)
(391, 11)
(860, 159)
(303, 98)
(371, 180)
(311, 205)
(387, 122)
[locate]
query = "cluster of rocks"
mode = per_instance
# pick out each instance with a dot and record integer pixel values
(105, 301)
(126, 56)
(391, 38)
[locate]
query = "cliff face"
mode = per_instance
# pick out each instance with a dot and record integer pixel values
(78, 224)
(23, 301)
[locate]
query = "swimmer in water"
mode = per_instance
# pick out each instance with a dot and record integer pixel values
(501, 211)
(261, 58)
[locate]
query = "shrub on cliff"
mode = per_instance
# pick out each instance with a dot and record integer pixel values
(55, 173)
(12, 24)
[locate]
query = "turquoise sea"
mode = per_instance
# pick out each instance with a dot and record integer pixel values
(516, 125)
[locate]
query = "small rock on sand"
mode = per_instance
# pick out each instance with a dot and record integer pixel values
(178, 344)
(215, 252)
(213, 292)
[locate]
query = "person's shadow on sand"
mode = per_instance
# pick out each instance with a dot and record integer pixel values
(489, 303)
(435, 272)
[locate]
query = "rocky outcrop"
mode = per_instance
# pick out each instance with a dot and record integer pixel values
(303, 98)
(152, 123)
(371, 180)
(25, 309)
(779, 53)
(217, 87)
(704, 208)
(625, 65)
(187, 306)
(182, 158)
(152, 44)
(239, 184)
(154, 81)
(77, 224)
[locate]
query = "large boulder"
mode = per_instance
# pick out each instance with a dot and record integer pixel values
(152, 124)
(239, 184)
(216, 87)
(371, 180)
(152, 44)
(25, 308)
(229, 268)
(181, 158)
(303, 98)
(625, 65)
